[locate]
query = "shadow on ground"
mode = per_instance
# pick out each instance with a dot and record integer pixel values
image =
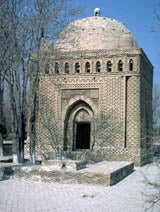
(6, 173)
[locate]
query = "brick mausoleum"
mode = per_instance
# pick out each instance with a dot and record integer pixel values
(95, 95)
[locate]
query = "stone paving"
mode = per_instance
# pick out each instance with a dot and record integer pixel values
(38, 196)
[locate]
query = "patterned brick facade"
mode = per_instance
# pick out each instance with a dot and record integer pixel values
(95, 104)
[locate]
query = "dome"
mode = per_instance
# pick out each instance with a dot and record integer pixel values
(95, 33)
(127, 41)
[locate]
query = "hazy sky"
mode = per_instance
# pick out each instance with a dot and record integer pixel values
(139, 17)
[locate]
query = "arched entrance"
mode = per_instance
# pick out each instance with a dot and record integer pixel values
(79, 127)
(82, 135)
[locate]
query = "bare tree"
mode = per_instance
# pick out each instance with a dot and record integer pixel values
(17, 75)
(25, 25)
(153, 198)
(5, 59)
(152, 195)
(51, 17)
(7, 114)
(156, 106)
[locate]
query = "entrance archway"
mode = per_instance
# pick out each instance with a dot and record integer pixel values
(79, 127)
(83, 134)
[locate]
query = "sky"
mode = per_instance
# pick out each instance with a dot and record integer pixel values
(139, 17)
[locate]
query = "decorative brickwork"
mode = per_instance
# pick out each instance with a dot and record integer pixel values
(94, 104)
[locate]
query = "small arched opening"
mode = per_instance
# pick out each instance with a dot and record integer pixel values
(120, 65)
(109, 66)
(131, 65)
(87, 67)
(77, 67)
(98, 66)
(56, 68)
(66, 68)
(47, 68)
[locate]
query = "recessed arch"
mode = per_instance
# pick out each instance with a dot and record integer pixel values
(131, 65)
(98, 66)
(79, 126)
(120, 65)
(66, 68)
(57, 67)
(73, 100)
(77, 67)
(87, 67)
(109, 66)
(47, 68)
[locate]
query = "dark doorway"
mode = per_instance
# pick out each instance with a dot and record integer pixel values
(83, 135)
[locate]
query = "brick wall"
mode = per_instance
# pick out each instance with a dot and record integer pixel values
(114, 101)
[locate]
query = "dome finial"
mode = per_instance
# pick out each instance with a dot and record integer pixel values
(97, 12)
